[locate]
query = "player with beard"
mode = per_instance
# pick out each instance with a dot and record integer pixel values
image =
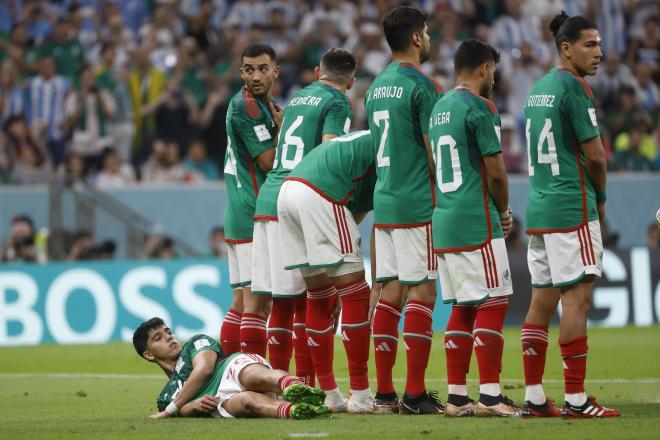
(253, 119)
(567, 170)
(470, 222)
(398, 105)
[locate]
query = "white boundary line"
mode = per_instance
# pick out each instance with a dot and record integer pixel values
(648, 380)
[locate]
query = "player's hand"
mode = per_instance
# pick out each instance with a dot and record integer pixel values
(335, 314)
(277, 111)
(601, 211)
(206, 404)
(160, 415)
(373, 300)
(507, 224)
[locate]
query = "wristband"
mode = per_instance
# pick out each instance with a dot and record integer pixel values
(601, 197)
(172, 409)
(505, 215)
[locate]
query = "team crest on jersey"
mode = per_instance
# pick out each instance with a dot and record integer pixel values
(179, 365)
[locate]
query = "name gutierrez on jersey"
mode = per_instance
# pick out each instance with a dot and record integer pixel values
(385, 92)
(440, 118)
(540, 101)
(312, 101)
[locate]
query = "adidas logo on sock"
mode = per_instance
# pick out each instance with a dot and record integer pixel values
(530, 352)
(451, 345)
(478, 342)
(312, 343)
(273, 341)
(383, 347)
(344, 336)
(243, 344)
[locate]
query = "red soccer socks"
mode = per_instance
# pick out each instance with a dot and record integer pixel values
(320, 333)
(574, 353)
(488, 342)
(304, 365)
(253, 334)
(458, 345)
(534, 346)
(355, 331)
(230, 332)
(386, 339)
(417, 337)
(280, 333)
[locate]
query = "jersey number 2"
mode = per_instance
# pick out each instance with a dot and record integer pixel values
(382, 116)
(546, 136)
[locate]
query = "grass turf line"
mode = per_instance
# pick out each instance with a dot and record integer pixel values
(75, 407)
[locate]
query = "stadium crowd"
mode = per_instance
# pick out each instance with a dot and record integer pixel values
(120, 92)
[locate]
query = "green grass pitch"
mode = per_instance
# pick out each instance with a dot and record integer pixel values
(106, 391)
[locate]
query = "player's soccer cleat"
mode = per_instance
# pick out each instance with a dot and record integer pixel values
(591, 409)
(361, 403)
(300, 411)
(466, 410)
(336, 401)
(500, 406)
(427, 403)
(301, 393)
(386, 405)
(547, 409)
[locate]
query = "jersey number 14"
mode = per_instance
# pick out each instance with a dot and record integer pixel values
(546, 137)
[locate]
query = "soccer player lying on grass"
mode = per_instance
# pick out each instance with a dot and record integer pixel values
(205, 382)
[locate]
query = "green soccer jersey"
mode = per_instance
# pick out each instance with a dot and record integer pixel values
(398, 105)
(316, 110)
(560, 114)
(336, 168)
(464, 128)
(184, 366)
(250, 132)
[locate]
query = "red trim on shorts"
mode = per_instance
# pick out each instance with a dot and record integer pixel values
(319, 192)
(584, 262)
(241, 241)
(494, 265)
(265, 217)
(254, 176)
(347, 232)
(400, 225)
(591, 244)
(486, 271)
(339, 231)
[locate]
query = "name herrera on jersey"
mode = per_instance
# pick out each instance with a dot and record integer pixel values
(540, 101)
(312, 101)
(385, 92)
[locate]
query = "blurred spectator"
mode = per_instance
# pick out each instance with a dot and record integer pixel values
(190, 69)
(28, 162)
(46, 96)
(248, 13)
(115, 173)
(113, 80)
(88, 109)
(65, 48)
(639, 133)
(19, 244)
(38, 19)
(161, 36)
(145, 84)
(646, 50)
(159, 246)
(525, 72)
(611, 21)
(163, 166)
(648, 93)
(611, 78)
(203, 17)
(197, 163)
(73, 172)
(11, 95)
(84, 248)
(619, 117)
(369, 49)
(134, 12)
(513, 29)
(217, 242)
(512, 148)
(631, 159)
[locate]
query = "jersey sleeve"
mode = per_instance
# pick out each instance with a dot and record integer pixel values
(424, 99)
(485, 127)
(338, 118)
(254, 132)
(580, 110)
(199, 343)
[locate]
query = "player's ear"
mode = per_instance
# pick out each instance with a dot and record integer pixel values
(566, 49)
(148, 356)
(317, 73)
(350, 83)
(276, 71)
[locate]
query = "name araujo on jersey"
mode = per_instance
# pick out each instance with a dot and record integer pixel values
(385, 92)
(540, 101)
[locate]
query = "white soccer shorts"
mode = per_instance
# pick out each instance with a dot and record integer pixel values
(405, 254)
(240, 264)
(472, 277)
(563, 258)
(230, 384)
(268, 274)
(319, 234)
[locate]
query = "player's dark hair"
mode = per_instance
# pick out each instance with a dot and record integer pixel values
(566, 28)
(254, 50)
(141, 334)
(338, 65)
(399, 25)
(473, 53)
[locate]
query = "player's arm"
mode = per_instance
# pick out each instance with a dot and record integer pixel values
(423, 102)
(201, 407)
(498, 186)
(596, 163)
(265, 160)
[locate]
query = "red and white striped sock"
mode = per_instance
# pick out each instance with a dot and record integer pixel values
(320, 333)
(386, 341)
(488, 340)
(355, 331)
(417, 337)
(458, 345)
(253, 334)
(230, 332)
(287, 380)
(304, 365)
(280, 333)
(284, 410)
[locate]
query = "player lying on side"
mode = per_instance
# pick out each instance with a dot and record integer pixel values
(319, 208)
(205, 382)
